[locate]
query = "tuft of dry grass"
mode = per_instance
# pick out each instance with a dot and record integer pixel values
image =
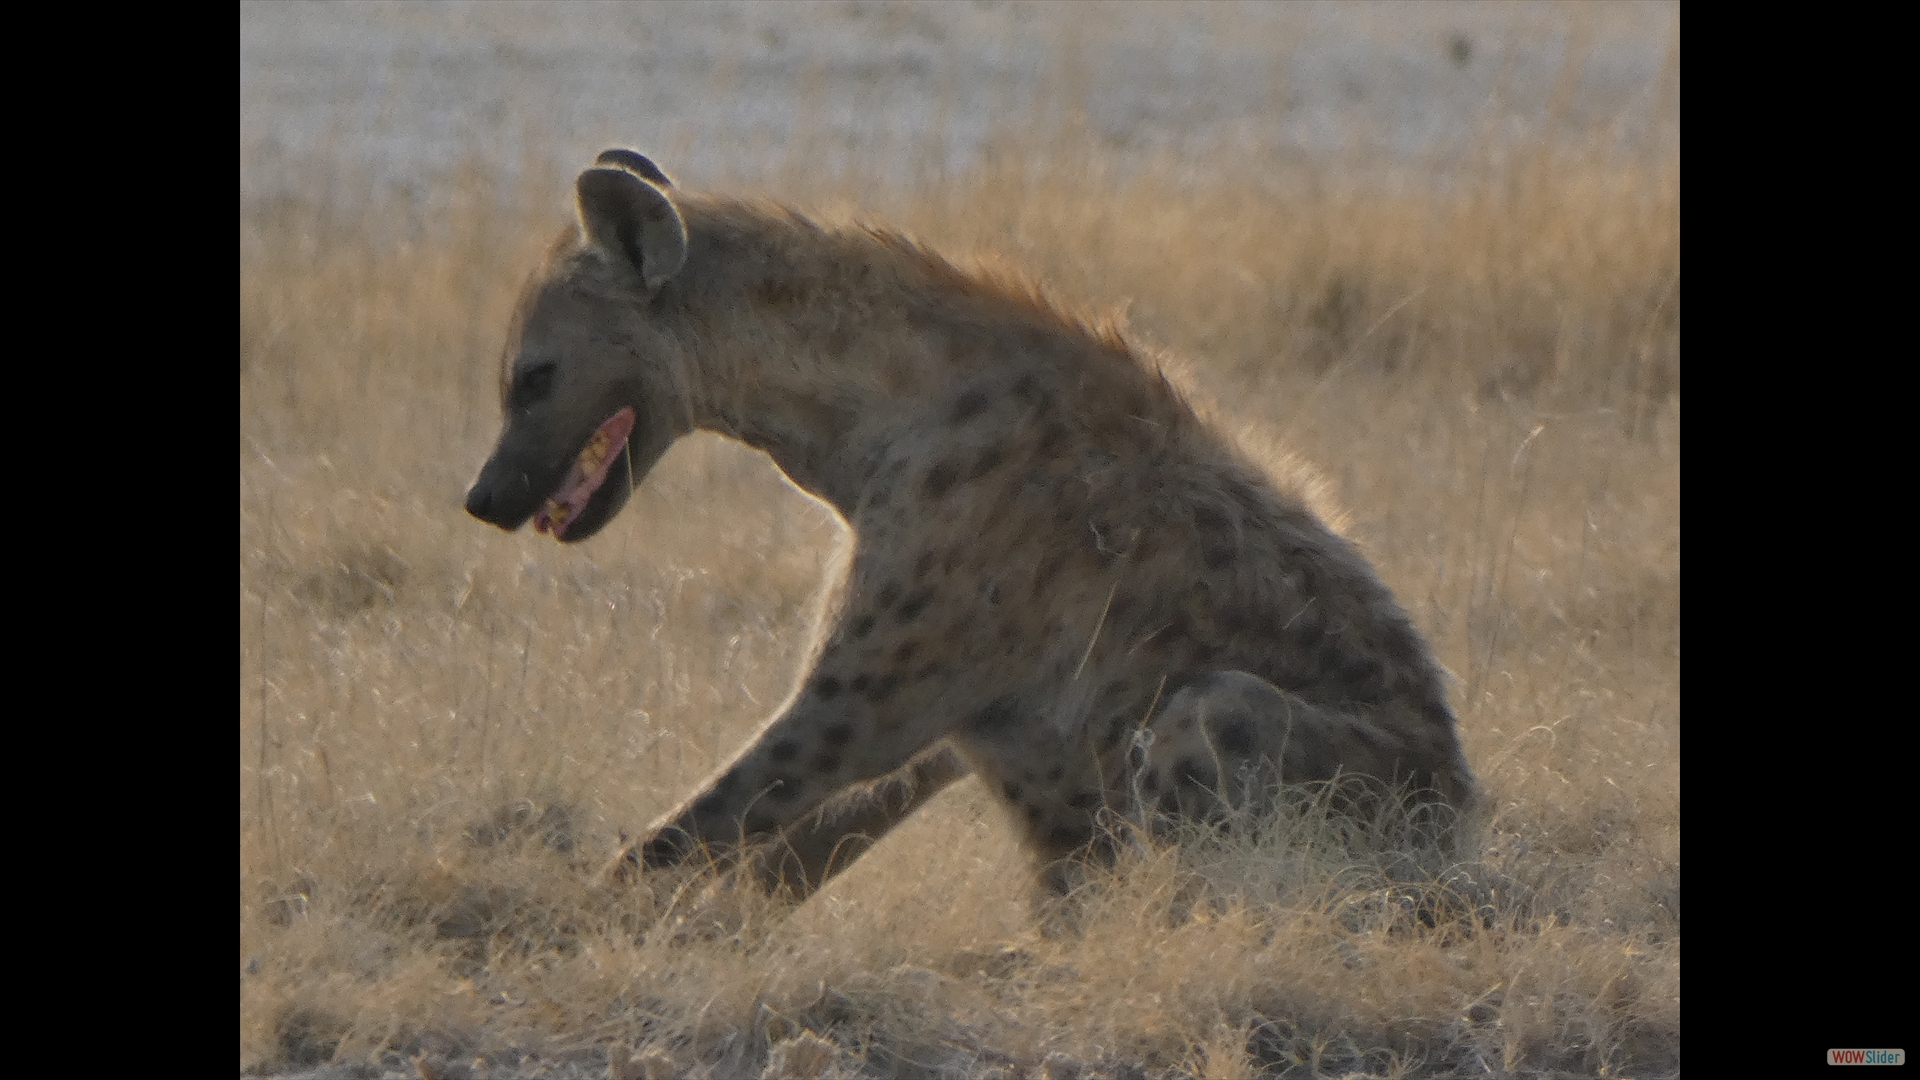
(444, 730)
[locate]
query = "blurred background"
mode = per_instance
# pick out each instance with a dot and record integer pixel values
(726, 91)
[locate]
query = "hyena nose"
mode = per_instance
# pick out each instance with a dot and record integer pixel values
(503, 500)
(479, 502)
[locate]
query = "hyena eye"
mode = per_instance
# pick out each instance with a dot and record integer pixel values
(532, 386)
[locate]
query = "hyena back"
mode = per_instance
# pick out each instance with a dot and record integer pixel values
(1062, 580)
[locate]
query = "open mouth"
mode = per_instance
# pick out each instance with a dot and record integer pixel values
(586, 474)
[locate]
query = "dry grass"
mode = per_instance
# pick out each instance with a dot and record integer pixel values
(444, 729)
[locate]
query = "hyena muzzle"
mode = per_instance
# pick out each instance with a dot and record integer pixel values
(1063, 580)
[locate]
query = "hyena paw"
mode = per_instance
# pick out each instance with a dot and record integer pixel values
(670, 846)
(667, 848)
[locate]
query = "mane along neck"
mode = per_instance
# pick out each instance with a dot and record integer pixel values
(815, 344)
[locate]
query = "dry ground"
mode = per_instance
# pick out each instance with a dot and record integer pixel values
(444, 729)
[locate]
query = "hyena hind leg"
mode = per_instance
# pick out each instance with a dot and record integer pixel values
(1222, 745)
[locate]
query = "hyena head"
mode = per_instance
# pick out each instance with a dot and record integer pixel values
(594, 390)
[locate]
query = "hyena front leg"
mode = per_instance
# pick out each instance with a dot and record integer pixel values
(854, 722)
(1225, 741)
(846, 825)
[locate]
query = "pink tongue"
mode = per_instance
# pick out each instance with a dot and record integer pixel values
(585, 476)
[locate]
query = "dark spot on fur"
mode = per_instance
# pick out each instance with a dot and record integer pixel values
(1116, 730)
(925, 564)
(1034, 813)
(1218, 557)
(1054, 774)
(784, 750)
(971, 404)
(883, 688)
(910, 607)
(837, 734)
(1192, 770)
(827, 763)
(1208, 519)
(863, 626)
(1051, 437)
(988, 461)
(1169, 804)
(1065, 836)
(1150, 783)
(906, 650)
(776, 292)
(889, 593)
(1026, 385)
(1049, 566)
(1236, 737)
(998, 714)
(940, 478)
(860, 683)
(931, 670)
(1084, 800)
(826, 686)
(1011, 790)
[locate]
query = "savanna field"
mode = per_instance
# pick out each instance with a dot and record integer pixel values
(446, 730)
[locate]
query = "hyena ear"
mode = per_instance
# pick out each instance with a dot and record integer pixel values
(633, 161)
(632, 219)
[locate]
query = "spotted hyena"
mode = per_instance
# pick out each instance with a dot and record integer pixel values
(1062, 579)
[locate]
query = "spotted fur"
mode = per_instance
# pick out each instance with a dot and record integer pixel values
(1063, 580)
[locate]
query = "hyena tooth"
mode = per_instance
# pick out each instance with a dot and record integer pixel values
(594, 454)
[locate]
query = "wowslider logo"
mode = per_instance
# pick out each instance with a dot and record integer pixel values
(1866, 1057)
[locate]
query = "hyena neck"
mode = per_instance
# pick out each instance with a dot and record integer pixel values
(820, 347)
